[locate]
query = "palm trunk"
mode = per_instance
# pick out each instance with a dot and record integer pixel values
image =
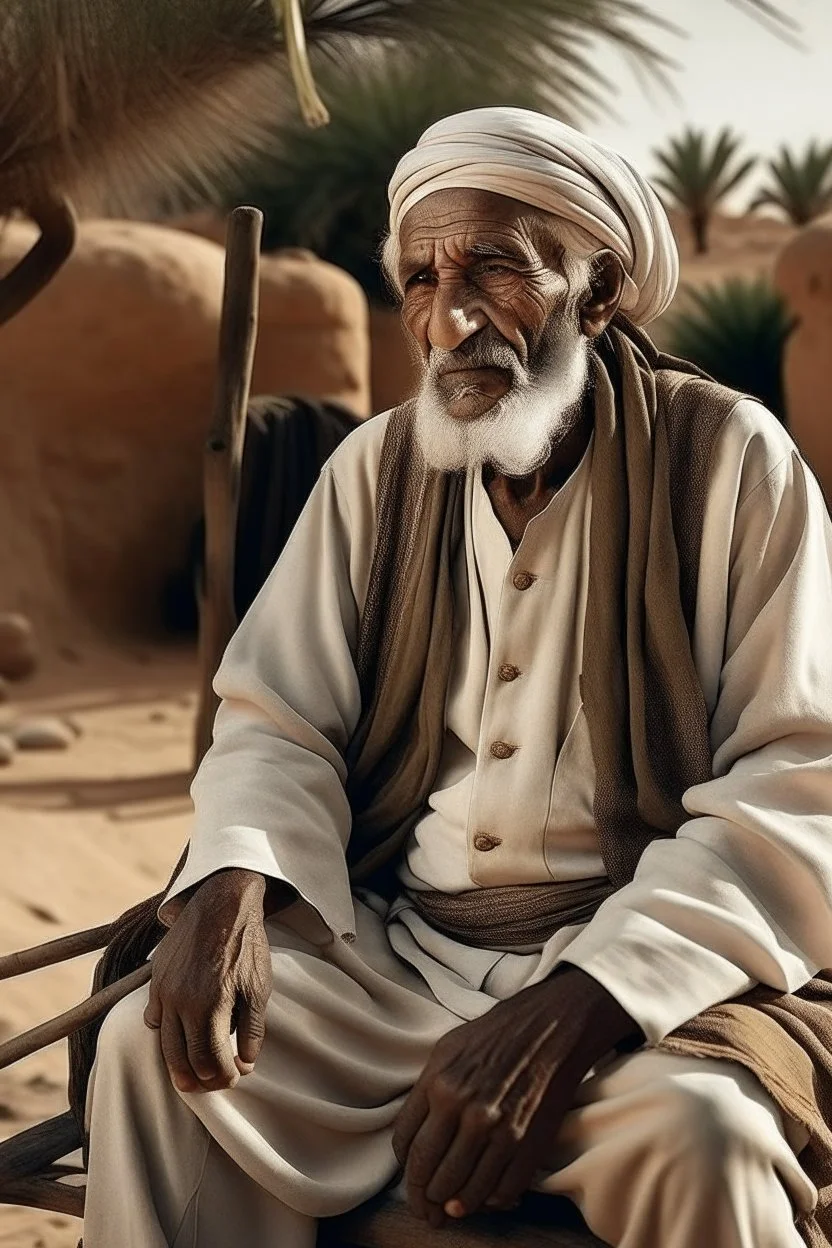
(699, 224)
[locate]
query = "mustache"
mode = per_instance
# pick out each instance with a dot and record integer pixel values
(476, 352)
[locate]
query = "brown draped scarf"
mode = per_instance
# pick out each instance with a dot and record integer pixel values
(656, 423)
(655, 426)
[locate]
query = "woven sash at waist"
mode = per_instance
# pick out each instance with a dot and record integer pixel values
(511, 915)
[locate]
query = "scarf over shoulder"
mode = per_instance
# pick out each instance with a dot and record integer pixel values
(656, 423)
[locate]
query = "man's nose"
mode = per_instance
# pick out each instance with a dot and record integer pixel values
(454, 316)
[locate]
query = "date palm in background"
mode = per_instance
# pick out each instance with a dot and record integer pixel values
(799, 186)
(696, 175)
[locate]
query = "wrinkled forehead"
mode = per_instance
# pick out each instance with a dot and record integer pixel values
(472, 220)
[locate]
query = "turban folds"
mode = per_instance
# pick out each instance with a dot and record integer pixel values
(543, 162)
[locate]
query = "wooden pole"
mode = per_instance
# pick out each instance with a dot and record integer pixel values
(71, 1020)
(58, 226)
(39, 1147)
(44, 1193)
(223, 453)
(30, 1169)
(52, 951)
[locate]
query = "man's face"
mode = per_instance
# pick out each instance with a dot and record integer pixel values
(485, 294)
(499, 327)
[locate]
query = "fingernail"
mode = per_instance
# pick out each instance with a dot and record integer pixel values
(455, 1209)
(245, 1068)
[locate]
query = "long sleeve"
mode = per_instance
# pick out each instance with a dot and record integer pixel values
(743, 893)
(269, 795)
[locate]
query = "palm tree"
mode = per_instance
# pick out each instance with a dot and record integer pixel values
(115, 105)
(800, 186)
(697, 176)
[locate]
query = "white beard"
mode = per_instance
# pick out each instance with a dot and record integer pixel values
(517, 434)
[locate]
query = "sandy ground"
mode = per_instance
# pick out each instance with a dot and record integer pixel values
(83, 835)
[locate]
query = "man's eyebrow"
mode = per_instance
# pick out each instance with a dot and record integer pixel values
(414, 262)
(496, 251)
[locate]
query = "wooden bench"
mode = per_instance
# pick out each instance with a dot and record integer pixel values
(32, 1172)
(540, 1222)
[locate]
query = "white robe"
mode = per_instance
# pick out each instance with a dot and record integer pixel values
(743, 893)
(658, 1151)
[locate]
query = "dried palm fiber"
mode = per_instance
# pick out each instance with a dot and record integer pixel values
(101, 99)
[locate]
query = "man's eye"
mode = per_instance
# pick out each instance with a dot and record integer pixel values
(496, 266)
(419, 279)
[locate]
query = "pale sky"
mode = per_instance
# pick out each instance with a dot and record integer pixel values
(733, 71)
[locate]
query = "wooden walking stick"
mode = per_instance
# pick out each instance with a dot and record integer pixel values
(223, 454)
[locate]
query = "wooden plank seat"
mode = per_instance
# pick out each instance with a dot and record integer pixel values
(540, 1222)
(37, 1168)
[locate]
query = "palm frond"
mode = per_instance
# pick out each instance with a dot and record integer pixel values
(696, 175)
(733, 177)
(799, 184)
(103, 97)
(773, 17)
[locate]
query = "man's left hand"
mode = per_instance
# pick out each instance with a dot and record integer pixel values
(482, 1119)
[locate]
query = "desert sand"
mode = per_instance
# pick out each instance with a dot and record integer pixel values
(87, 832)
(84, 834)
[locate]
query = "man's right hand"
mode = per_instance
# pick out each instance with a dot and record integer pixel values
(213, 966)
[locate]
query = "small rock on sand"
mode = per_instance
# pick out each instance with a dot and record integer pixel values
(43, 734)
(18, 649)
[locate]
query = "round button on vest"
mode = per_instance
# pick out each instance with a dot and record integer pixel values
(502, 749)
(484, 843)
(507, 671)
(523, 580)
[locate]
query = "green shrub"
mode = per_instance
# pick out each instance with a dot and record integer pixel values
(736, 332)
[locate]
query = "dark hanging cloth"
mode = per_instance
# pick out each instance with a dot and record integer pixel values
(287, 443)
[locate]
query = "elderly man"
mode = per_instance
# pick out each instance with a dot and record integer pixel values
(512, 862)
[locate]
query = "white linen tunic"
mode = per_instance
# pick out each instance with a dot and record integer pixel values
(743, 893)
(657, 1151)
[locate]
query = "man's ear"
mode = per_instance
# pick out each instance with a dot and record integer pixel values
(606, 286)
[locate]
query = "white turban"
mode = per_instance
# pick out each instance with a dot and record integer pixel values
(538, 160)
